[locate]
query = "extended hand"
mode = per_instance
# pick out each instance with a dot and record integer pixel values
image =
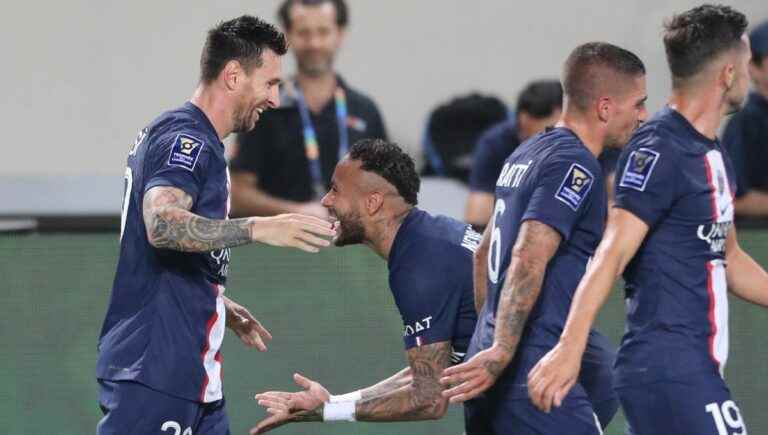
(553, 376)
(292, 230)
(476, 375)
(250, 331)
(313, 208)
(287, 407)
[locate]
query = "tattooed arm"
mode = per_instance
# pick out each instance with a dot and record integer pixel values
(171, 225)
(411, 394)
(536, 244)
(420, 399)
(480, 266)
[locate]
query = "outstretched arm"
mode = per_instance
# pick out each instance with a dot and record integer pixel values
(171, 225)
(411, 394)
(535, 246)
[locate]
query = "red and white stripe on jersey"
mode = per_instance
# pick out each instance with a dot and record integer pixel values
(211, 355)
(229, 193)
(717, 287)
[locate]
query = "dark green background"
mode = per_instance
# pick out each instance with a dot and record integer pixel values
(332, 316)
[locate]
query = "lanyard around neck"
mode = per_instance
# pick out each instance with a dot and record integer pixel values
(311, 147)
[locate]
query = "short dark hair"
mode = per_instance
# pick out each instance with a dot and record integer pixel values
(284, 13)
(589, 66)
(390, 162)
(242, 39)
(695, 37)
(541, 98)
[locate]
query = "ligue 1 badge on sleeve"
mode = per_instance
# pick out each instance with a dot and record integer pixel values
(638, 169)
(185, 151)
(575, 186)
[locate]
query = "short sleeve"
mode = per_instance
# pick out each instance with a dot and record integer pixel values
(180, 161)
(645, 183)
(429, 303)
(565, 187)
(734, 142)
(489, 156)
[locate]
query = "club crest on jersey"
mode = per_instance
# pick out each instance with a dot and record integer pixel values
(185, 151)
(639, 168)
(575, 186)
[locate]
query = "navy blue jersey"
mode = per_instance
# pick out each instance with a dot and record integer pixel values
(554, 179)
(165, 320)
(430, 275)
(681, 184)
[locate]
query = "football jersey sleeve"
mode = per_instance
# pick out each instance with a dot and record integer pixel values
(428, 302)
(564, 188)
(178, 161)
(646, 179)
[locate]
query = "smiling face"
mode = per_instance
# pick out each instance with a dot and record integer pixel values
(257, 91)
(345, 203)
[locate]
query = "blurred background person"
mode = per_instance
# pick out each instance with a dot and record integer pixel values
(285, 163)
(538, 106)
(746, 135)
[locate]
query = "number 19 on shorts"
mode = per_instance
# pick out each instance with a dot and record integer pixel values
(727, 418)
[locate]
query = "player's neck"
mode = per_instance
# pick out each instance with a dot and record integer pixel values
(704, 110)
(318, 89)
(384, 230)
(217, 111)
(591, 137)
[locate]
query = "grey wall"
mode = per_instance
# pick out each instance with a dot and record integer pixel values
(82, 77)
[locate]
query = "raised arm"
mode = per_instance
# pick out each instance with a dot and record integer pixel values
(746, 279)
(554, 375)
(171, 225)
(535, 245)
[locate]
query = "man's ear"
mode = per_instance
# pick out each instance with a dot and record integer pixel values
(373, 203)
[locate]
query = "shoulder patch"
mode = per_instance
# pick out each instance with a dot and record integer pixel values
(575, 186)
(639, 168)
(185, 151)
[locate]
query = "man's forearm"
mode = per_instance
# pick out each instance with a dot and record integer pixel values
(421, 398)
(746, 278)
(170, 224)
(181, 230)
(250, 200)
(392, 383)
(753, 204)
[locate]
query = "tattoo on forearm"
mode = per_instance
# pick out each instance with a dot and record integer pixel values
(171, 225)
(536, 244)
(305, 416)
(398, 380)
(421, 399)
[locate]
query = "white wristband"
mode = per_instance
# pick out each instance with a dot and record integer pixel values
(349, 397)
(339, 411)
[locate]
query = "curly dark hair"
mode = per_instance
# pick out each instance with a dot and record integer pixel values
(695, 37)
(284, 13)
(389, 161)
(242, 39)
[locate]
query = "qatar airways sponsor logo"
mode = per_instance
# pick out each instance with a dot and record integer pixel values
(715, 235)
(220, 258)
(418, 326)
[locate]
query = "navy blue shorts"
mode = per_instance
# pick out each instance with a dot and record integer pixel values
(132, 408)
(699, 404)
(493, 414)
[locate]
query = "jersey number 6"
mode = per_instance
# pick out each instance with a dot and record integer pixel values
(494, 256)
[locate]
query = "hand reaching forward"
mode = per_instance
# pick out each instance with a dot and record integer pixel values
(287, 407)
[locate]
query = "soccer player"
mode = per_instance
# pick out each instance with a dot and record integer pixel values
(548, 218)
(159, 366)
(671, 234)
(373, 195)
